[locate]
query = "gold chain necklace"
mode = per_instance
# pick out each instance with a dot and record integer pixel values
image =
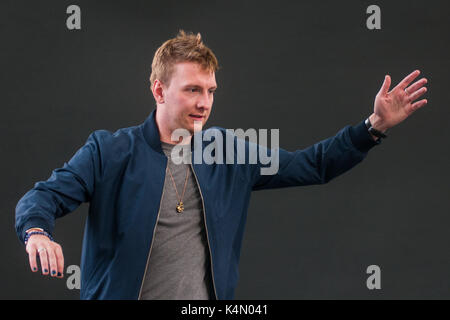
(180, 206)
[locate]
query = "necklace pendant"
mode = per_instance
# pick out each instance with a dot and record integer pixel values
(180, 207)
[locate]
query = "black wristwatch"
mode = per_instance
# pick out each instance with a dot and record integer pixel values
(374, 131)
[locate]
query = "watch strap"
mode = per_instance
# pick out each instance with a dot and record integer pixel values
(374, 131)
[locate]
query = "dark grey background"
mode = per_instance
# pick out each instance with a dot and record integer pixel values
(306, 67)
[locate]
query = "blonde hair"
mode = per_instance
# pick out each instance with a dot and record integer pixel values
(184, 47)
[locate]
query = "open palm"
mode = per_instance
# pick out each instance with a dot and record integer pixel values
(392, 107)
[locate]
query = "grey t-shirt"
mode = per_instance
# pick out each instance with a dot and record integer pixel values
(179, 264)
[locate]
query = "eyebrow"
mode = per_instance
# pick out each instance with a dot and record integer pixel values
(199, 87)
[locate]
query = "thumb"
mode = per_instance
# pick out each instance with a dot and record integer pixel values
(386, 85)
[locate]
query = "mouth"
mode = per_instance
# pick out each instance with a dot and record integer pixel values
(196, 116)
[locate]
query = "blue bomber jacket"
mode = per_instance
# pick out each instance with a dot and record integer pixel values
(122, 174)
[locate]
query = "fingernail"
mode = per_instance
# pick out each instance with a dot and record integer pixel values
(34, 269)
(59, 274)
(45, 270)
(53, 272)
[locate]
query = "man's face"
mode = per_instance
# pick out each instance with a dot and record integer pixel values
(189, 96)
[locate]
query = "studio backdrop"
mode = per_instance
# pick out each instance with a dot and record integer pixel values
(306, 68)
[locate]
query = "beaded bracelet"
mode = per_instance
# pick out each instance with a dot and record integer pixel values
(29, 234)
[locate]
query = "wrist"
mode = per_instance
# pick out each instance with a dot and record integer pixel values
(34, 229)
(374, 133)
(31, 232)
(378, 123)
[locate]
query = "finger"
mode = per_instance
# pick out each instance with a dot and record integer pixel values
(416, 85)
(52, 261)
(32, 258)
(417, 105)
(386, 84)
(416, 95)
(59, 261)
(408, 79)
(44, 260)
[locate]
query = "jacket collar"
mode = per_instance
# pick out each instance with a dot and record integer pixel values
(151, 132)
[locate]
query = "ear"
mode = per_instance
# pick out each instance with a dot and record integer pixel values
(158, 91)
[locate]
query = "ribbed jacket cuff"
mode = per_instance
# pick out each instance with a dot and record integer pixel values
(361, 137)
(35, 222)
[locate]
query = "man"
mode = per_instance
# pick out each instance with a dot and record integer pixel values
(161, 229)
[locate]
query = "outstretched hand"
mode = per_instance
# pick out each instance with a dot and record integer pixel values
(392, 107)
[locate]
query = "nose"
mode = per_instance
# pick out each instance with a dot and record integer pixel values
(205, 101)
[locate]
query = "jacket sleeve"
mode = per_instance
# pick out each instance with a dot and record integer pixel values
(318, 163)
(62, 193)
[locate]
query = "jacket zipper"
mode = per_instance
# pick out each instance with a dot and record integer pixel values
(153, 238)
(206, 229)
